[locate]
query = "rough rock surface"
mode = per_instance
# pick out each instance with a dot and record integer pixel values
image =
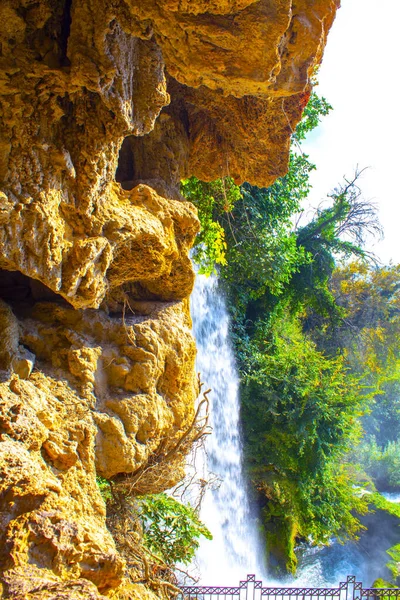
(104, 107)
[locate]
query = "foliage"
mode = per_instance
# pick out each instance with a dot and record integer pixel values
(125, 526)
(394, 564)
(370, 297)
(368, 332)
(337, 230)
(316, 107)
(247, 230)
(301, 408)
(171, 529)
(382, 465)
(300, 413)
(218, 196)
(381, 503)
(105, 488)
(262, 252)
(383, 420)
(381, 583)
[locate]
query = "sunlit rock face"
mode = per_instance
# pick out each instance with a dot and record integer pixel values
(104, 107)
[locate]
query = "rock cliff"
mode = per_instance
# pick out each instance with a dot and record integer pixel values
(104, 107)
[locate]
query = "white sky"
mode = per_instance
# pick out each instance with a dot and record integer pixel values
(360, 77)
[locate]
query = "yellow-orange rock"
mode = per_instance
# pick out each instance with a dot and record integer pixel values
(135, 373)
(135, 236)
(104, 107)
(52, 514)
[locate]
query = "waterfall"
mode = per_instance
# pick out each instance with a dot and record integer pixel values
(235, 549)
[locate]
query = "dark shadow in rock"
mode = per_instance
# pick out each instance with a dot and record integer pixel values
(22, 292)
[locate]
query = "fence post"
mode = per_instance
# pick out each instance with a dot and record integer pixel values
(247, 588)
(346, 588)
(351, 580)
(358, 590)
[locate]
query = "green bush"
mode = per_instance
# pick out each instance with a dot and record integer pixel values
(211, 199)
(300, 414)
(381, 464)
(171, 529)
(105, 488)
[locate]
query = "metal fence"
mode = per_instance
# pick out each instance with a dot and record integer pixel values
(251, 589)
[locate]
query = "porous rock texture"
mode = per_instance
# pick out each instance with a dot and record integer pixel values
(104, 107)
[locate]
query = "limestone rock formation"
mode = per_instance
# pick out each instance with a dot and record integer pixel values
(104, 107)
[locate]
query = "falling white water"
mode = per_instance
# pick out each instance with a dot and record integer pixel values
(235, 548)
(392, 496)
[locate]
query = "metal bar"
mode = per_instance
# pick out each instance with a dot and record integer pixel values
(348, 590)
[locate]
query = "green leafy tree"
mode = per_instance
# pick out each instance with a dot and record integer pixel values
(300, 416)
(105, 488)
(381, 464)
(171, 529)
(316, 108)
(211, 199)
(338, 230)
(368, 331)
(262, 252)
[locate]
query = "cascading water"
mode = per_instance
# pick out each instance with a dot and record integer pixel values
(235, 548)
(366, 557)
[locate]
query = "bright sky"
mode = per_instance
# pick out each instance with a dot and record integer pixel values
(360, 77)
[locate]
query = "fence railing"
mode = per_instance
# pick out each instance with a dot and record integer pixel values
(251, 589)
